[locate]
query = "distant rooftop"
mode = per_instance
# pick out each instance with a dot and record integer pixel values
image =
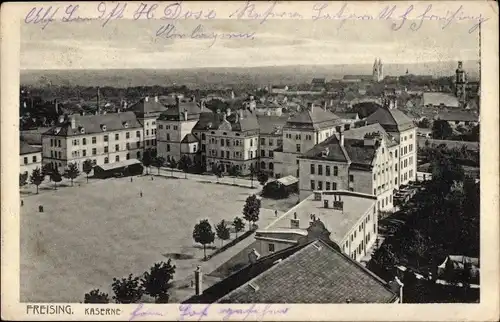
(437, 98)
(338, 222)
(25, 148)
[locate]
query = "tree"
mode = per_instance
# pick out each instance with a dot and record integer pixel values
(222, 232)
(23, 178)
(47, 170)
(127, 290)
(87, 167)
(383, 261)
(172, 164)
(424, 123)
(251, 209)
(158, 162)
(56, 177)
(156, 282)
(262, 177)
(185, 164)
(203, 234)
(238, 225)
(147, 159)
(441, 130)
(217, 171)
(252, 174)
(234, 171)
(36, 178)
(97, 297)
(72, 172)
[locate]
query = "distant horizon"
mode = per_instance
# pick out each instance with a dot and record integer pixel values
(248, 67)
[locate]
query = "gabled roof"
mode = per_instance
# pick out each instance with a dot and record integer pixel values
(311, 273)
(390, 119)
(92, 124)
(189, 138)
(436, 99)
(335, 151)
(358, 133)
(346, 115)
(212, 121)
(464, 116)
(25, 148)
(176, 111)
(271, 124)
(313, 118)
(147, 106)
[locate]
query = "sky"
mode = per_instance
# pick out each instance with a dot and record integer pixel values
(135, 44)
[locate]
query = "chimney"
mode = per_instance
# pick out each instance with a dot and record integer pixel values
(193, 99)
(340, 137)
(202, 105)
(156, 99)
(146, 99)
(73, 122)
(177, 100)
(325, 153)
(241, 114)
(253, 256)
(56, 105)
(325, 106)
(294, 223)
(98, 101)
(198, 278)
(228, 111)
(185, 113)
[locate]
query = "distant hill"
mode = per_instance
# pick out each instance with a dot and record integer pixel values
(210, 77)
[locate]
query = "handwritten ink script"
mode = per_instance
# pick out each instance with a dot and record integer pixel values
(251, 311)
(401, 15)
(189, 312)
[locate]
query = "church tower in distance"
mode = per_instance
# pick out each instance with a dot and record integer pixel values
(460, 85)
(378, 70)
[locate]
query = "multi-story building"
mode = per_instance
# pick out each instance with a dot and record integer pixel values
(232, 139)
(30, 158)
(103, 139)
(350, 219)
(147, 110)
(270, 139)
(301, 132)
(404, 131)
(175, 126)
(360, 160)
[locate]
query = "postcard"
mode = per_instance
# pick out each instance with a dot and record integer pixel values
(250, 160)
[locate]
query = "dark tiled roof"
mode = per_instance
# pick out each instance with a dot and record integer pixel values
(25, 148)
(360, 155)
(315, 118)
(212, 121)
(463, 116)
(310, 273)
(359, 133)
(176, 111)
(446, 99)
(189, 138)
(144, 108)
(271, 124)
(346, 115)
(390, 119)
(335, 151)
(92, 124)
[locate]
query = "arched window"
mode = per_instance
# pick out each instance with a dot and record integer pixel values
(106, 160)
(271, 166)
(262, 165)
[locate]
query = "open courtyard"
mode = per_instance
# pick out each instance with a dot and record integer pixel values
(91, 233)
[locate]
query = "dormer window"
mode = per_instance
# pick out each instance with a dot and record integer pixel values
(103, 127)
(125, 125)
(82, 130)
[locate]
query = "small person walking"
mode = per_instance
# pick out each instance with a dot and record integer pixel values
(131, 179)
(141, 194)
(22, 203)
(276, 213)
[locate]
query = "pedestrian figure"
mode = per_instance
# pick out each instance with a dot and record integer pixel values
(131, 179)
(22, 203)
(40, 208)
(141, 194)
(276, 213)
(152, 178)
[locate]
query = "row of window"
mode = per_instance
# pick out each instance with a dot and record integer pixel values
(227, 142)
(406, 149)
(54, 142)
(76, 154)
(34, 159)
(153, 132)
(263, 165)
(404, 138)
(384, 201)
(263, 141)
(327, 170)
(226, 154)
(263, 153)
(167, 127)
(328, 185)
